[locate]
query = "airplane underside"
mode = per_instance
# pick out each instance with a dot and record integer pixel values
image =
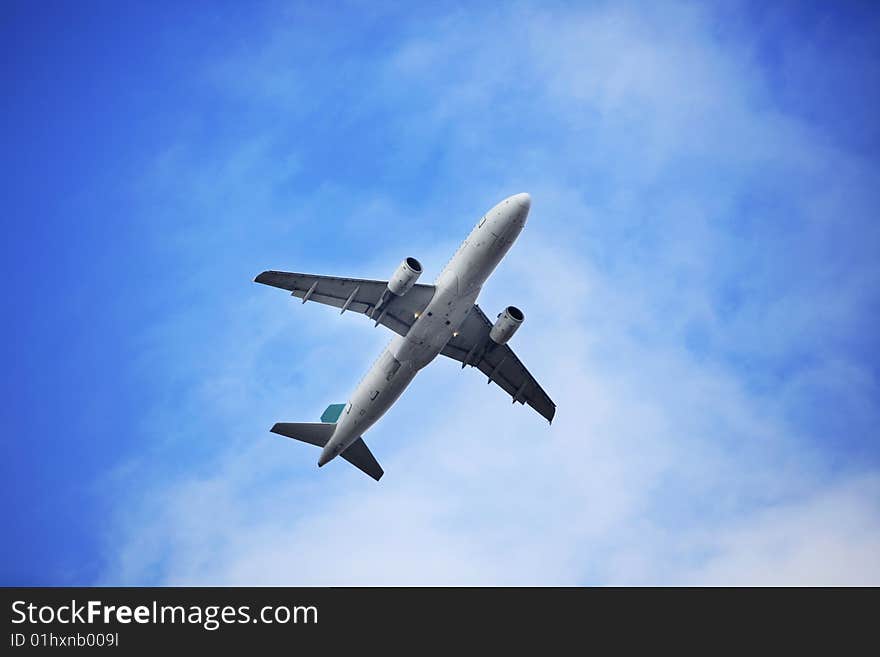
(429, 320)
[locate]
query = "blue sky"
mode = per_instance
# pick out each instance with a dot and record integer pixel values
(699, 273)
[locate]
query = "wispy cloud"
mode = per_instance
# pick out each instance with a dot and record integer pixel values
(697, 274)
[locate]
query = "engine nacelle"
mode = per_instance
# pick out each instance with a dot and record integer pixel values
(506, 324)
(405, 276)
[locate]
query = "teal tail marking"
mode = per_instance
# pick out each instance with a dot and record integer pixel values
(332, 413)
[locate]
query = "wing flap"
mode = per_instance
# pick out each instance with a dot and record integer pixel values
(354, 294)
(472, 346)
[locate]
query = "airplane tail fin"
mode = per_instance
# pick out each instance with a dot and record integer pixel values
(332, 413)
(318, 433)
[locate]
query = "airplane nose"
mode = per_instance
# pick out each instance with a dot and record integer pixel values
(523, 200)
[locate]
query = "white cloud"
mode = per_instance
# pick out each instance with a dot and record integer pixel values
(477, 491)
(666, 464)
(831, 538)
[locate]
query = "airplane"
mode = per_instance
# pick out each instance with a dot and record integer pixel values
(429, 320)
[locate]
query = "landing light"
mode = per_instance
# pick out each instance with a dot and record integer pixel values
(454, 333)
(416, 315)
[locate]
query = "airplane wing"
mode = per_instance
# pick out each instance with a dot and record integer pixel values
(360, 295)
(472, 346)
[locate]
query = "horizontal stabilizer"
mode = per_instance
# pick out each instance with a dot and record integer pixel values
(318, 433)
(313, 433)
(359, 455)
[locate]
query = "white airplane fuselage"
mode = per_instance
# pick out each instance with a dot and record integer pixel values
(457, 289)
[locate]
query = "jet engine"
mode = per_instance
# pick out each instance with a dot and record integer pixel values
(405, 276)
(506, 324)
